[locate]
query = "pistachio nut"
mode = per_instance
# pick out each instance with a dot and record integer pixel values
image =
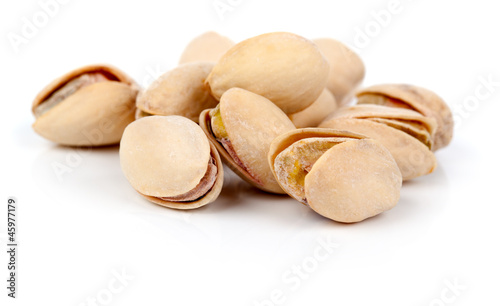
(208, 47)
(415, 98)
(338, 174)
(315, 113)
(180, 91)
(169, 161)
(89, 106)
(405, 133)
(242, 128)
(347, 70)
(285, 68)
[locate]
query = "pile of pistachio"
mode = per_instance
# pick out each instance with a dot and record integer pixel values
(275, 108)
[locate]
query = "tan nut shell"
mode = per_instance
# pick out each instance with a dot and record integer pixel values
(94, 115)
(353, 180)
(420, 99)
(412, 156)
(283, 67)
(346, 69)
(164, 156)
(315, 113)
(290, 140)
(208, 47)
(251, 122)
(405, 119)
(181, 91)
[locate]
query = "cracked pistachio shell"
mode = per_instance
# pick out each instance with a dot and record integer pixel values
(413, 158)
(346, 69)
(167, 156)
(282, 67)
(181, 91)
(411, 122)
(208, 47)
(315, 113)
(94, 115)
(340, 175)
(251, 122)
(417, 98)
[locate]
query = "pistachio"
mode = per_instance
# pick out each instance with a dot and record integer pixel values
(415, 98)
(242, 128)
(338, 174)
(181, 91)
(89, 106)
(208, 47)
(285, 68)
(169, 161)
(315, 113)
(346, 69)
(405, 133)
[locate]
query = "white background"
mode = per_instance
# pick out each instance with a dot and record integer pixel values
(79, 230)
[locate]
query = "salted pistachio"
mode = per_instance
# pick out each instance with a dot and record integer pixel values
(208, 47)
(180, 91)
(408, 121)
(242, 128)
(415, 98)
(339, 174)
(347, 70)
(413, 157)
(169, 161)
(315, 113)
(283, 67)
(89, 106)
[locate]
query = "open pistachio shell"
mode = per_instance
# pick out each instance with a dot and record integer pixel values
(338, 174)
(346, 69)
(89, 106)
(181, 91)
(412, 156)
(208, 47)
(315, 113)
(169, 160)
(411, 122)
(285, 68)
(416, 98)
(242, 128)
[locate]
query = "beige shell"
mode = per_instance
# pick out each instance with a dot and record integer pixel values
(282, 67)
(417, 98)
(250, 122)
(93, 114)
(169, 156)
(208, 47)
(411, 122)
(181, 91)
(347, 70)
(313, 115)
(338, 174)
(412, 156)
